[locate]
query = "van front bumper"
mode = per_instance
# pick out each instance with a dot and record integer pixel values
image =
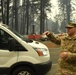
(43, 68)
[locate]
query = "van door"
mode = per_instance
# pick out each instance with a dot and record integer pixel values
(5, 54)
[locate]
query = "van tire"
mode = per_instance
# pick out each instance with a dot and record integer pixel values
(23, 71)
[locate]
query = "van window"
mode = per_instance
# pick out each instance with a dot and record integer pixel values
(4, 42)
(4, 38)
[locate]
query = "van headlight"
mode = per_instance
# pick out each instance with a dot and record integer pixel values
(41, 51)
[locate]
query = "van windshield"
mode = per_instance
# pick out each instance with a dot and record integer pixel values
(19, 35)
(16, 33)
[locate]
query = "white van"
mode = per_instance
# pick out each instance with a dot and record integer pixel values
(19, 56)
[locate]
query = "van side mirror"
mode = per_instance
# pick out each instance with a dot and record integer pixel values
(11, 44)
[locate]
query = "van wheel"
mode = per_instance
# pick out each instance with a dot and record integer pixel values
(23, 71)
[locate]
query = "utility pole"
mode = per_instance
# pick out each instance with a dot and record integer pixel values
(3, 17)
(41, 17)
(27, 18)
(16, 15)
(68, 9)
(0, 11)
(7, 12)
